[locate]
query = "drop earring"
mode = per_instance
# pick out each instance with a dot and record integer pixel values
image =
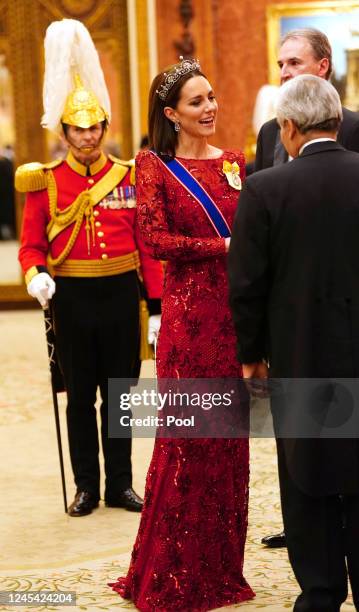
(177, 126)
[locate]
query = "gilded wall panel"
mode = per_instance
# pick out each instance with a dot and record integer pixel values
(143, 61)
(4, 19)
(122, 66)
(24, 63)
(78, 9)
(4, 31)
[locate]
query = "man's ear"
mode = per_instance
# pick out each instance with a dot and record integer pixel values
(170, 113)
(64, 141)
(323, 67)
(292, 128)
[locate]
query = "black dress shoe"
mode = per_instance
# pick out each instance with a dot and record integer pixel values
(83, 504)
(275, 541)
(127, 499)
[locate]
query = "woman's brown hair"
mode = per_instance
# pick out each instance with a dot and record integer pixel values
(162, 135)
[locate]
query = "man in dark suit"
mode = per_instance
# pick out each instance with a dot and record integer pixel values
(302, 51)
(293, 266)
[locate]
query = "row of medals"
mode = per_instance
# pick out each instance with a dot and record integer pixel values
(120, 197)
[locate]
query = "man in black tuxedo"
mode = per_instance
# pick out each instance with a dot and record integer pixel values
(302, 51)
(293, 267)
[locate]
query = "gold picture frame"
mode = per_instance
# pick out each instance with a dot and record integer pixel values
(339, 19)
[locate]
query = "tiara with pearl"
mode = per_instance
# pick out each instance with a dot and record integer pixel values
(186, 66)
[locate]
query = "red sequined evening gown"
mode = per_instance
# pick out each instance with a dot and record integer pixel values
(188, 555)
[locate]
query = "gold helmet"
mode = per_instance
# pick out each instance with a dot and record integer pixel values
(82, 107)
(75, 91)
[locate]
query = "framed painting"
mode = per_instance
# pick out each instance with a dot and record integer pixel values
(339, 19)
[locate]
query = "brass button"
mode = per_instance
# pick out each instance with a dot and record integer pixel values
(104, 256)
(98, 223)
(103, 245)
(91, 181)
(100, 234)
(96, 213)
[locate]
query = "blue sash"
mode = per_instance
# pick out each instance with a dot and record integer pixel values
(196, 190)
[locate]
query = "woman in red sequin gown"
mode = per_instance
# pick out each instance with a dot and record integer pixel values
(188, 555)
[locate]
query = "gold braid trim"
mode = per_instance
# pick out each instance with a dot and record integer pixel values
(82, 206)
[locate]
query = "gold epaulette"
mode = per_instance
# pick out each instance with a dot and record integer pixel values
(32, 177)
(130, 163)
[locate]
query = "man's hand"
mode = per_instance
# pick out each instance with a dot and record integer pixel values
(255, 376)
(42, 287)
(258, 369)
(154, 324)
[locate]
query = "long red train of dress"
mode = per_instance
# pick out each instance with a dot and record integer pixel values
(188, 555)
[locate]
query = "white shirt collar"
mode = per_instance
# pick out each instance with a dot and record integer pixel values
(313, 141)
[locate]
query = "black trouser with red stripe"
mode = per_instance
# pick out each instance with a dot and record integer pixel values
(97, 338)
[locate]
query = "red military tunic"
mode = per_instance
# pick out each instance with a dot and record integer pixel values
(115, 229)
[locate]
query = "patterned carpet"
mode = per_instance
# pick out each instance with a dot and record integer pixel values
(42, 548)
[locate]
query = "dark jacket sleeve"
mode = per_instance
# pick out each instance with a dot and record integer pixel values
(258, 162)
(348, 135)
(248, 267)
(266, 143)
(353, 139)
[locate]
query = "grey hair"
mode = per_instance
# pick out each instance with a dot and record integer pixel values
(311, 102)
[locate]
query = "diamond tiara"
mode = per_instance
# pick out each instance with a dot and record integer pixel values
(186, 66)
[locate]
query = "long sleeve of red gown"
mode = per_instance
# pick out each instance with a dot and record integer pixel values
(154, 200)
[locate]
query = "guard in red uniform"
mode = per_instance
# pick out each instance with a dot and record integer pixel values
(81, 248)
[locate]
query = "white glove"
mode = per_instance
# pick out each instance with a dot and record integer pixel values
(154, 324)
(41, 287)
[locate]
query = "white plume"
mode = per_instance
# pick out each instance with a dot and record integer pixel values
(69, 50)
